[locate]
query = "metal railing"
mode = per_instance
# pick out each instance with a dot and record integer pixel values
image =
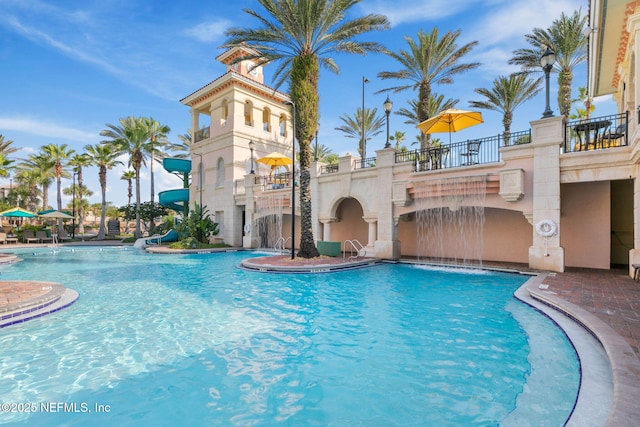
(369, 162)
(280, 245)
(329, 169)
(464, 153)
(354, 247)
(274, 182)
(202, 134)
(597, 133)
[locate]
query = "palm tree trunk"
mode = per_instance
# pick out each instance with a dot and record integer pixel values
(103, 208)
(80, 204)
(137, 233)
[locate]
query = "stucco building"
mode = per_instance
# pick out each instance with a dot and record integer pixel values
(563, 193)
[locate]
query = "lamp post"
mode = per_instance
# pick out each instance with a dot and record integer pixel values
(293, 179)
(363, 142)
(315, 155)
(73, 206)
(546, 61)
(388, 105)
(251, 146)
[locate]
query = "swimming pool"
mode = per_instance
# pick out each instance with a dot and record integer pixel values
(160, 339)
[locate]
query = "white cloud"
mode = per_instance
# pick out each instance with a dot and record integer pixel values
(41, 127)
(208, 32)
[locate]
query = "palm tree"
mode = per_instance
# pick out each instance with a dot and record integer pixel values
(429, 61)
(104, 157)
(183, 148)
(157, 139)
(42, 171)
(129, 176)
(79, 161)
(5, 146)
(322, 152)
(566, 37)
(130, 137)
(28, 181)
(362, 128)
(59, 154)
(507, 94)
(302, 36)
(398, 137)
(436, 105)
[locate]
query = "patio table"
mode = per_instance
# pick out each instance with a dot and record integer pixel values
(586, 129)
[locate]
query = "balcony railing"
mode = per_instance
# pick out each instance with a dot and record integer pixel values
(369, 162)
(329, 169)
(597, 133)
(465, 153)
(202, 134)
(274, 182)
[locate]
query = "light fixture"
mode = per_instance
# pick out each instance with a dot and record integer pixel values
(388, 105)
(547, 60)
(251, 146)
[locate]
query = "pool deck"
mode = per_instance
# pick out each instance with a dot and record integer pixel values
(606, 302)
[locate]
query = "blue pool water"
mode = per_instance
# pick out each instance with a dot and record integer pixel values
(193, 340)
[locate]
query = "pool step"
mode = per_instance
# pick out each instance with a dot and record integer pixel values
(49, 298)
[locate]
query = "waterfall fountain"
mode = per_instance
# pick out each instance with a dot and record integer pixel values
(450, 220)
(268, 223)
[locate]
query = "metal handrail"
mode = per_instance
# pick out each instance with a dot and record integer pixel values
(353, 245)
(281, 248)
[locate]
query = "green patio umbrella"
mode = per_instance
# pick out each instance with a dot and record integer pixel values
(17, 213)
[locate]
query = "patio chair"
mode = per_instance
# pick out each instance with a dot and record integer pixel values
(42, 237)
(610, 138)
(473, 150)
(3, 238)
(28, 236)
(63, 236)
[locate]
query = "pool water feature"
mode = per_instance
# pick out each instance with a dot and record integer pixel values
(162, 339)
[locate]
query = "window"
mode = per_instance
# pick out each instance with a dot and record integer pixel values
(266, 123)
(220, 173)
(248, 113)
(225, 112)
(283, 125)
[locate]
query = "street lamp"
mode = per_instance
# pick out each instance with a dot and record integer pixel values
(362, 140)
(73, 206)
(546, 62)
(315, 156)
(293, 179)
(388, 105)
(251, 146)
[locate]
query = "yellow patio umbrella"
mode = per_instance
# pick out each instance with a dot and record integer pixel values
(275, 159)
(451, 120)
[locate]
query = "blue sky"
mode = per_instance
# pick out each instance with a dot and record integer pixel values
(67, 68)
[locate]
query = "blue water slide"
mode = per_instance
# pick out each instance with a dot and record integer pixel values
(178, 199)
(174, 199)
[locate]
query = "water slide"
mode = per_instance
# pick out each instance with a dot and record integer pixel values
(156, 239)
(177, 200)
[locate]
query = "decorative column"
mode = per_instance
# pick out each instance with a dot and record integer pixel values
(249, 233)
(387, 245)
(326, 228)
(634, 254)
(546, 252)
(373, 231)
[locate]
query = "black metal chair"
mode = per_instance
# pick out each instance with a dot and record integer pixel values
(472, 153)
(609, 138)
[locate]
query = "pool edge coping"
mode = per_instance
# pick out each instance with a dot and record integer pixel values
(625, 366)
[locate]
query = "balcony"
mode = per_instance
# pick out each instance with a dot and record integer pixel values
(465, 153)
(596, 134)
